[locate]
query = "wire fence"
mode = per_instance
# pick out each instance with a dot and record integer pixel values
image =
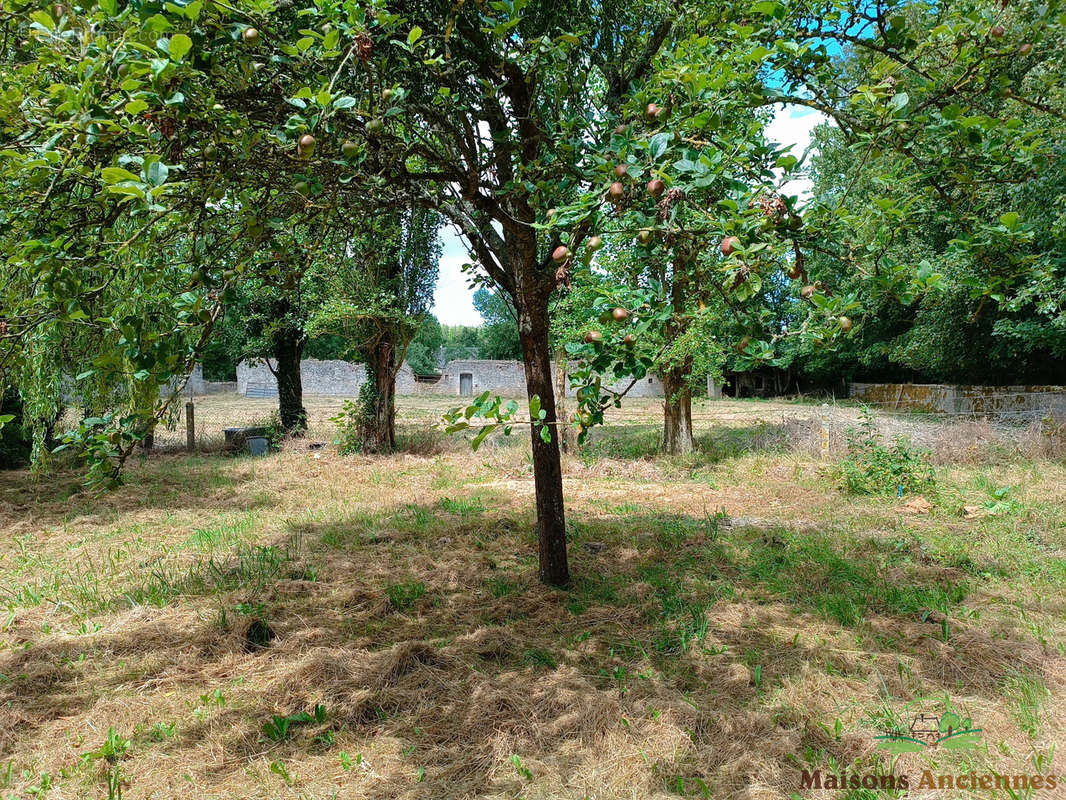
(820, 428)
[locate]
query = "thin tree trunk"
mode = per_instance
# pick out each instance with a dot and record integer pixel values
(677, 408)
(532, 307)
(677, 413)
(379, 406)
(288, 351)
(566, 432)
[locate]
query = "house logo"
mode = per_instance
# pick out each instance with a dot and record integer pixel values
(948, 730)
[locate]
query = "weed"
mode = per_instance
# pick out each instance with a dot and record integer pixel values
(347, 762)
(110, 752)
(462, 507)
(1028, 694)
(872, 467)
(521, 768)
(277, 729)
(281, 770)
(536, 657)
(404, 595)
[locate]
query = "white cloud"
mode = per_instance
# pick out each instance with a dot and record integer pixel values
(453, 300)
(795, 126)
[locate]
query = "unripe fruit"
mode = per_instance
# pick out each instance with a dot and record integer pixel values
(374, 126)
(656, 187)
(795, 273)
(561, 253)
(123, 70)
(620, 128)
(1025, 49)
(644, 235)
(250, 35)
(998, 31)
(386, 94)
(845, 324)
(729, 245)
(210, 152)
(742, 345)
(629, 340)
(620, 315)
(617, 191)
(301, 187)
(593, 336)
(807, 292)
(349, 149)
(551, 213)
(595, 243)
(621, 169)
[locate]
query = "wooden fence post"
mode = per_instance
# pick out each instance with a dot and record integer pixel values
(190, 426)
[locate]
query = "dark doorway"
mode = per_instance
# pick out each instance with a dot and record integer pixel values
(466, 384)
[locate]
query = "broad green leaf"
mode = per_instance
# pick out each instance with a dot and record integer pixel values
(117, 174)
(42, 18)
(414, 35)
(157, 173)
(180, 44)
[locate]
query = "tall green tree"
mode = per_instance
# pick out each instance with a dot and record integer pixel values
(498, 337)
(378, 304)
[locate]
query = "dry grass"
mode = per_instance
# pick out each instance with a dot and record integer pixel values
(697, 654)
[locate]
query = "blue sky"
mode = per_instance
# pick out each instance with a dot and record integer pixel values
(453, 301)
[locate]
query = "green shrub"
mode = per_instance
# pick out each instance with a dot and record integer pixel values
(349, 421)
(873, 467)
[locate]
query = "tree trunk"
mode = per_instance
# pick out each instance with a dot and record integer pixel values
(378, 429)
(532, 307)
(677, 408)
(566, 432)
(677, 413)
(288, 350)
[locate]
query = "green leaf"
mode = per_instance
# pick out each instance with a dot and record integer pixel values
(180, 44)
(475, 443)
(192, 11)
(157, 173)
(42, 18)
(414, 35)
(117, 174)
(534, 406)
(304, 44)
(1010, 220)
(136, 106)
(344, 101)
(658, 144)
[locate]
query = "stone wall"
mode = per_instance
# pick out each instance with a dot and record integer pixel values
(947, 399)
(196, 385)
(321, 378)
(344, 379)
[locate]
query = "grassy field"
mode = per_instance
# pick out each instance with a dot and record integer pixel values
(310, 625)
